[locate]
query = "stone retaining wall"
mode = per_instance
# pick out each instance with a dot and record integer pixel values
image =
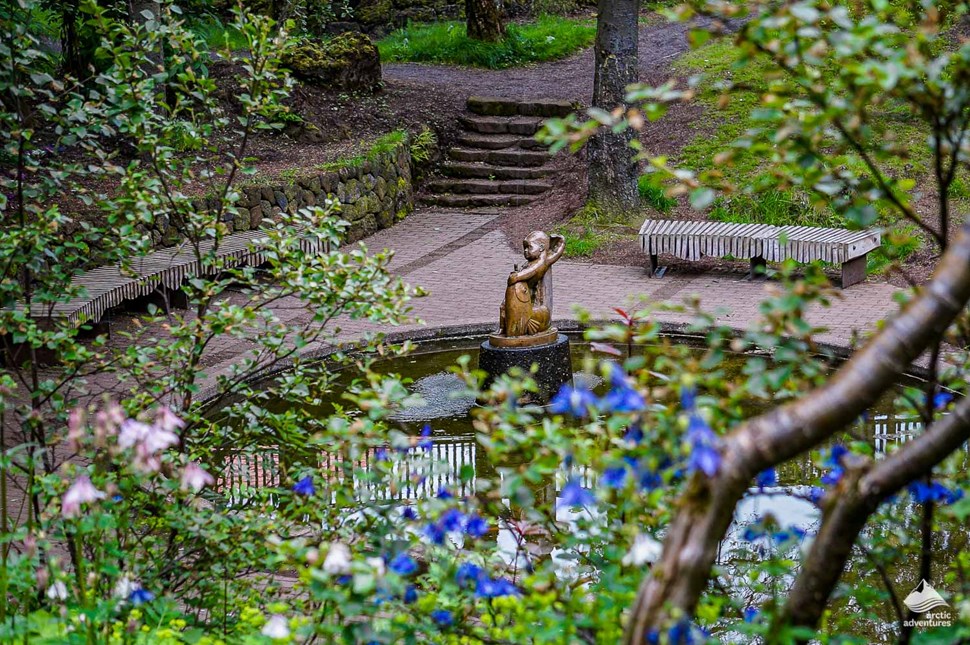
(373, 195)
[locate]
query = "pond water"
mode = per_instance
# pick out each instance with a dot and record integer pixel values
(447, 413)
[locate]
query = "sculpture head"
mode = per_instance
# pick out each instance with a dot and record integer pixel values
(534, 244)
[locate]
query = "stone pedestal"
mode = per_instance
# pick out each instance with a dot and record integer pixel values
(555, 366)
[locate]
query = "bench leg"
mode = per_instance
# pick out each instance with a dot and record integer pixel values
(759, 268)
(653, 265)
(853, 271)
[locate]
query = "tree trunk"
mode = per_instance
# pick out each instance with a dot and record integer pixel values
(676, 581)
(484, 20)
(613, 170)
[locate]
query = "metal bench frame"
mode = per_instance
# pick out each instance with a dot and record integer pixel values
(760, 243)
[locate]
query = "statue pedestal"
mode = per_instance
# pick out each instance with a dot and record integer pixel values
(555, 366)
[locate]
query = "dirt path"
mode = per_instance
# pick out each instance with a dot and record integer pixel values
(570, 78)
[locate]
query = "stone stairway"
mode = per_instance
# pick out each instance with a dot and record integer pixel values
(497, 162)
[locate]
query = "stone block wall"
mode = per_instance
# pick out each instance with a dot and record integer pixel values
(373, 195)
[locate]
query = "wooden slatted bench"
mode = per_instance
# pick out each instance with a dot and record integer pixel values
(760, 243)
(109, 286)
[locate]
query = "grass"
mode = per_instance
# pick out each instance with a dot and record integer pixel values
(719, 61)
(654, 195)
(549, 38)
(592, 228)
(218, 35)
(381, 145)
(775, 207)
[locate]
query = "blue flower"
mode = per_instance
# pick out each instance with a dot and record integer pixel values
(381, 454)
(442, 617)
(767, 477)
(575, 401)
(815, 495)
(750, 614)
(625, 399)
(934, 492)
(834, 460)
(614, 477)
(573, 494)
(403, 564)
(434, 533)
(451, 520)
(941, 400)
(409, 513)
(140, 596)
(305, 487)
(704, 458)
(467, 572)
(752, 532)
(425, 442)
(832, 477)
(634, 435)
(476, 526)
(649, 479)
(410, 595)
(344, 579)
(688, 397)
(489, 588)
(444, 493)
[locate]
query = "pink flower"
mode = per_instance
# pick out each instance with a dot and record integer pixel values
(194, 477)
(166, 419)
(148, 441)
(82, 491)
(75, 427)
(133, 432)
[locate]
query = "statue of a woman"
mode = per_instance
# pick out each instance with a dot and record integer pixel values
(527, 310)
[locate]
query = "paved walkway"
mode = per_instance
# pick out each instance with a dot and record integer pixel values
(462, 260)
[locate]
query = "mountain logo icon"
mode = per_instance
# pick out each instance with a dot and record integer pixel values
(924, 598)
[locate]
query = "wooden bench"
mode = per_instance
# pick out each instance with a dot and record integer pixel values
(109, 286)
(760, 243)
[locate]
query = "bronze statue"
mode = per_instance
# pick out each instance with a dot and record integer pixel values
(525, 316)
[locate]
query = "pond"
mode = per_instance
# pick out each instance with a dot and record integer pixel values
(446, 412)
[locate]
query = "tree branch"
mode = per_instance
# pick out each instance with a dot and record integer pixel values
(707, 507)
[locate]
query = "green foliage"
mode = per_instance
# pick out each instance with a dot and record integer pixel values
(655, 196)
(548, 38)
(382, 145)
(217, 35)
(778, 208)
(593, 227)
(423, 145)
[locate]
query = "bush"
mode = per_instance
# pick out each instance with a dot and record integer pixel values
(347, 62)
(548, 38)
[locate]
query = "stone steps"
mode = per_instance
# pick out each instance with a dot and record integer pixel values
(492, 106)
(497, 141)
(497, 161)
(490, 187)
(526, 126)
(527, 158)
(477, 201)
(486, 171)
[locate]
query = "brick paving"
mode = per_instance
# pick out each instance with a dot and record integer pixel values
(461, 259)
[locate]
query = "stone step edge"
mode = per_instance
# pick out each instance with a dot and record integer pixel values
(496, 106)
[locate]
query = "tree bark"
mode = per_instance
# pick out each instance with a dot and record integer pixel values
(484, 20)
(613, 169)
(707, 507)
(856, 499)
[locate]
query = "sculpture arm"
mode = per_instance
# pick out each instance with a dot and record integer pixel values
(557, 249)
(531, 270)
